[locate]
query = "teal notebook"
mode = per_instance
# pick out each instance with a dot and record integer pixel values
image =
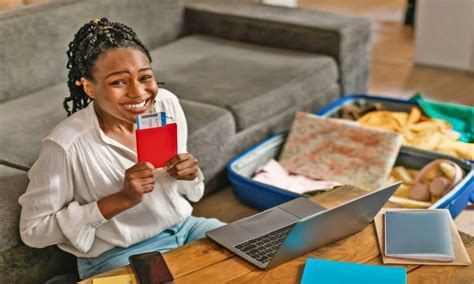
(331, 272)
(419, 234)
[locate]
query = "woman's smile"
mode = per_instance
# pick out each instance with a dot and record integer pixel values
(137, 107)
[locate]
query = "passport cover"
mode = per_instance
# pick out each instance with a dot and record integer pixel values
(158, 144)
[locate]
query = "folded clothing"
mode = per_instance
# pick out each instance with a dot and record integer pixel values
(272, 173)
(420, 131)
(460, 117)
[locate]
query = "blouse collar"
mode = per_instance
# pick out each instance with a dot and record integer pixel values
(106, 139)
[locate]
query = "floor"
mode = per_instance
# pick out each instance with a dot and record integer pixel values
(393, 74)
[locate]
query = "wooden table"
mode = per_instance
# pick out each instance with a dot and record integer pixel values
(204, 261)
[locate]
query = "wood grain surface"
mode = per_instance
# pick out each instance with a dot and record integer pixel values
(204, 261)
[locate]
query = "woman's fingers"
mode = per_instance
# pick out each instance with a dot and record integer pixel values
(148, 188)
(192, 176)
(178, 159)
(147, 181)
(183, 167)
(144, 174)
(188, 173)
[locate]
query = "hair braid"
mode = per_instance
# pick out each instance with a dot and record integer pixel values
(88, 44)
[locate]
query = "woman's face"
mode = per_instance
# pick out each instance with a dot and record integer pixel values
(123, 87)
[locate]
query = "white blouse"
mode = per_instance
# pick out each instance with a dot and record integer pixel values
(78, 165)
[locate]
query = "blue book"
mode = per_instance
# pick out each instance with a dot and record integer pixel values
(419, 234)
(331, 272)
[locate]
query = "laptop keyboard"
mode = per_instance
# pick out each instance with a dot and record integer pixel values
(262, 248)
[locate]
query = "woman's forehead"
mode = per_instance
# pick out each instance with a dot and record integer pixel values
(121, 59)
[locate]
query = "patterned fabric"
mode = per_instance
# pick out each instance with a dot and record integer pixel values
(337, 150)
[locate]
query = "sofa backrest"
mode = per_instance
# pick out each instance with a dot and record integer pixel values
(34, 39)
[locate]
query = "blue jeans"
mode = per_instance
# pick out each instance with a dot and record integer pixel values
(192, 228)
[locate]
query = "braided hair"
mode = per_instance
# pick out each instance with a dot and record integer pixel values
(90, 41)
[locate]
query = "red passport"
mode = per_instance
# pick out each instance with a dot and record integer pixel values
(158, 144)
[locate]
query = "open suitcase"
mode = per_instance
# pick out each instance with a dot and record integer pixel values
(263, 196)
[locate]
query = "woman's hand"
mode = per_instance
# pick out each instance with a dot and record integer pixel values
(183, 167)
(138, 180)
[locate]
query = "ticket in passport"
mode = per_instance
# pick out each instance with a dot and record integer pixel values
(150, 120)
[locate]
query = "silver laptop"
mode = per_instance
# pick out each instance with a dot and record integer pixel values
(294, 228)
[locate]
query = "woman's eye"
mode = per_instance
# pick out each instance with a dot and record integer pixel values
(146, 78)
(118, 83)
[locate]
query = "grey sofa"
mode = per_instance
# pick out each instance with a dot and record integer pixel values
(241, 70)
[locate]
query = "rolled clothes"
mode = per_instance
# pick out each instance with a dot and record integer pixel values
(272, 173)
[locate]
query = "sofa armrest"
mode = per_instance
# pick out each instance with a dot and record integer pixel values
(346, 39)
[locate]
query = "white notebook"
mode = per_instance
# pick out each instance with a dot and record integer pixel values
(419, 234)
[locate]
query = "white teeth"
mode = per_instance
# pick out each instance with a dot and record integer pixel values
(135, 106)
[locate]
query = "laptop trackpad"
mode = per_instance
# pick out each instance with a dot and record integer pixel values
(267, 221)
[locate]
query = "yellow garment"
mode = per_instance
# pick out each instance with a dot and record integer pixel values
(420, 131)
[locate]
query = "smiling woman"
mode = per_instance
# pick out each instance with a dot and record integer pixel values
(87, 193)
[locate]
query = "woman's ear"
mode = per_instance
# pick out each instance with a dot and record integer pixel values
(88, 89)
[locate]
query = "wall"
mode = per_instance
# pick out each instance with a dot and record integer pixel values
(12, 4)
(445, 33)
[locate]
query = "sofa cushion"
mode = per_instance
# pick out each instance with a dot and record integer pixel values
(253, 82)
(13, 183)
(27, 120)
(34, 40)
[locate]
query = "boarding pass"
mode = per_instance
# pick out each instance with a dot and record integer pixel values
(150, 120)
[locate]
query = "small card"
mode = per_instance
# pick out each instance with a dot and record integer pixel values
(150, 120)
